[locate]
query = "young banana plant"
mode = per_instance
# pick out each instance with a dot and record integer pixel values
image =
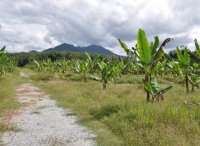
(155, 91)
(184, 62)
(193, 78)
(194, 81)
(94, 67)
(116, 67)
(148, 56)
(62, 66)
(82, 67)
(175, 68)
(105, 73)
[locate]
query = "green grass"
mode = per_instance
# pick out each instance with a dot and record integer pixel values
(130, 79)
(8, 102)
(120, 115)
(7, 90)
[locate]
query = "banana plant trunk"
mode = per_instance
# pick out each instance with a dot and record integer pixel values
(148, 95)
(187, 82)
(104, 84)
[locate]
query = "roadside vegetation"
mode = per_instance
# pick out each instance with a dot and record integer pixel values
(8, 103)
(9, 79)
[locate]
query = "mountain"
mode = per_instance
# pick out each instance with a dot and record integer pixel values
(89, 49)
(33, 51)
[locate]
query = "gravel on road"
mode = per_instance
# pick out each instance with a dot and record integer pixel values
(42, 123)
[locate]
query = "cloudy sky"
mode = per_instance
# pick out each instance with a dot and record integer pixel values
(39, 24)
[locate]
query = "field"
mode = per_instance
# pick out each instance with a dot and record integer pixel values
(120, 115)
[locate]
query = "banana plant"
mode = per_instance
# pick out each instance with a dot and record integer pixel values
(2, 61)
(184, 62)
(94, 67)
(197, 45)
(155, 91)
(2, 65)
(108, 70)
(175, 69)
(82, 67)
(35, 66)
(148, 56)
(116, 67)
(194, 81)
(105, 73)
(6, 64)
(62, 66)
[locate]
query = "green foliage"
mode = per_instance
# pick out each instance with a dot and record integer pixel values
(82, 67)
(6, 64)
(22, 58)
(197, 45)
(183, 58)
(194, 81)
(188, 67)
(155, 90)
(105, 73)
(149, 56)
(124, 46)
(144, 51)
(154, 46)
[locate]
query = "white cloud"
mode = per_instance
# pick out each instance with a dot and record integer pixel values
(27, 25)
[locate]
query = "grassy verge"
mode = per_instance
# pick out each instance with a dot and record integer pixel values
(8, 103)
(120, 116)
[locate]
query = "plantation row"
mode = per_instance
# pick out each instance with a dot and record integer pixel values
(6, 64)
(145, 58)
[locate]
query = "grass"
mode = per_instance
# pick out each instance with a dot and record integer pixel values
(7, 93)
(8, 103)
(120, 115)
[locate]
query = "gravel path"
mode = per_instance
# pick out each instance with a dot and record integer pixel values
(42, 123)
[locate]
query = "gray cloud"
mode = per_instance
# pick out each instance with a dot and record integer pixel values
(27, 25)
(48, 39)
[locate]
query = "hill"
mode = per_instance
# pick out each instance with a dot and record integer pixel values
(95, 49)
